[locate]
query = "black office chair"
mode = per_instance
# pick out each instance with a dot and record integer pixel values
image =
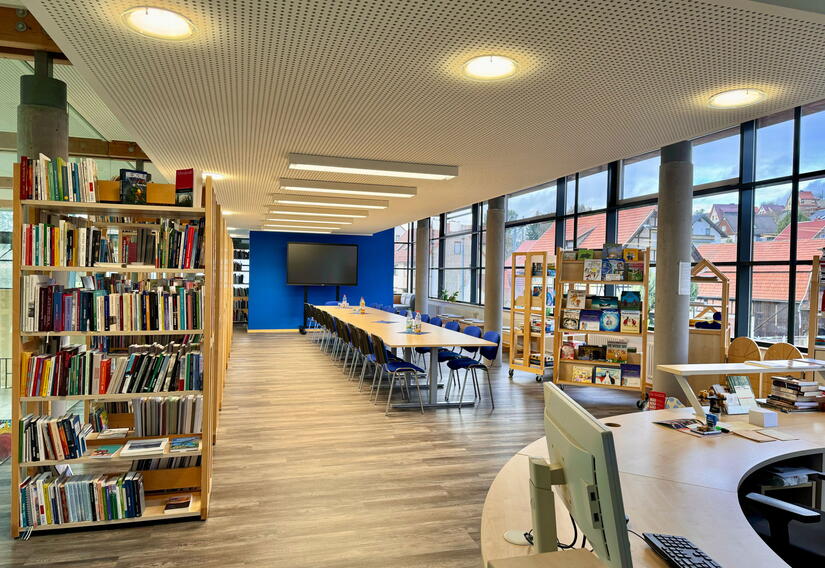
(794, 532)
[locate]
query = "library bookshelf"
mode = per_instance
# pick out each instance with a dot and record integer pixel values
(570, 276)
(240, 272)
(531, 278)
(215, 335)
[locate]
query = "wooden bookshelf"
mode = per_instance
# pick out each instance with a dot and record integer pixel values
(530, 271)
(215, 339)
(570, 276)
(815, 312)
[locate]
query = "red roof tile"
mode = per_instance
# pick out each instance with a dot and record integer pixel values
(807, 230)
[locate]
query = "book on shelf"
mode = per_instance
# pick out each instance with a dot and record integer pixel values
(49, 500)
(616, 351)
(568, 255)
(630, 300)
(164, 416)
(112, 433)
(104, 452)
(133, 186)
(612, 250)
(567, 350)
(184, 187)
(177, 503)
(609, 320)
(582, 254)
(613, 269)
(604, 302)
(634, 271)
(607, 376)
(570, 319)
(630, 321)
(592, 269)
(591, 352)
(632, 254)
(581, 374)
(576, 299)
(57, 180)
(589, 319)
(184, 444)
(110, 304)
(144, 447)
(631, 374)
(42, 438)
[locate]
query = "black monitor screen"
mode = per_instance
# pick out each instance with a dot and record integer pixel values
(317, 264)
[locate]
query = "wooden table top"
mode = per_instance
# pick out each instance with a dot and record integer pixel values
(393, 333)
(672, 483)
(689, 369)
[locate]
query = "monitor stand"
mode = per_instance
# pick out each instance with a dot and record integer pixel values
(543, 476)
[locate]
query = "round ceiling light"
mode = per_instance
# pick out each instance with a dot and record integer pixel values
(490, 67)
(736, 98)
(158, 23)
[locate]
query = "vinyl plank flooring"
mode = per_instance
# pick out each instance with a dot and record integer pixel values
(308, 473)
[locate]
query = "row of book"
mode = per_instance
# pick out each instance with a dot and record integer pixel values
(613, 351)
(44, 438)
(49, 500)
(613, 270)
(602, 313)
(48, 306)
(58, 180)
(173, 415)
(627, 374)
(75, 371)
(240, 278)
(795, 395)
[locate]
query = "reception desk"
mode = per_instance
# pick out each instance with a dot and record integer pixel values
(672, 483)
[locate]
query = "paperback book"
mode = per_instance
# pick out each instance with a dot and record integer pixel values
(616, 351)
(613, 269)
(612, 250)
(607, 376)
(609, 320)
(570, 319)
(582, 254)
(630, 321)
(576, 299)
(630, 300)
(631, 375)
(589, 320)
(581, 374)
(604, 302)
(632, 254)
(567, 350)
(592, 270)
(133, 187)
(635, 271)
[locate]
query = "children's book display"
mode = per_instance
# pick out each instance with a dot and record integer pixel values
(601, 317)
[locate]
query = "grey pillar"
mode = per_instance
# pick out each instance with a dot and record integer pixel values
(494, 267)
(42, 116)
(672, 255)
(422, 264)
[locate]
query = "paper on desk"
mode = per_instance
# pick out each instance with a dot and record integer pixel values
(778, 434)
(754, 435)
(739, 426)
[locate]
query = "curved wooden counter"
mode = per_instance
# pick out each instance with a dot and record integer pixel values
(672, 483)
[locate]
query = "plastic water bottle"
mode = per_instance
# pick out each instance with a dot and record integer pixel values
(417, 322)
(344, 302)
(362, 306)
(409, 322)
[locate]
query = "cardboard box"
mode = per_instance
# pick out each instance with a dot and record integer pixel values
(160, 193)
(107, 191)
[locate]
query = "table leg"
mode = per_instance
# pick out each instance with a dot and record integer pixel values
(433, 375)
(691, 397)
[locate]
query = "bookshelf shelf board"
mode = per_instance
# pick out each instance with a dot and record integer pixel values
(93, 438)
(583, 384)
(107, 333)
(116, 208)
(593, 363)
(605, 282)
(705, 331)
(153, 512)
(586, 331)
(118, 397)
(97, 269)
(115, 457)
(239, 271)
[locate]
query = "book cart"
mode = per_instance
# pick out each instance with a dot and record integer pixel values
(570, 275)
(214, 336)
(531, 286)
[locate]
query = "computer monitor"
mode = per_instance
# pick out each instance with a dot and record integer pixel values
(583, 468)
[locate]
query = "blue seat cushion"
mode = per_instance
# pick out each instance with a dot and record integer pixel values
(393, 366)
(447, 355)
(462, 363)
(423, 349)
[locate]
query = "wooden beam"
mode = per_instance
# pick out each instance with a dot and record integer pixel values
(21, 35)
(91, 147)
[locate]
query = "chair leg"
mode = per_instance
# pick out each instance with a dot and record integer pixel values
(448, 386)
(476, 389)
(363, 374)
(490, 386)
(379, 374)
(463, 386)
(418, 388)
(389, 396)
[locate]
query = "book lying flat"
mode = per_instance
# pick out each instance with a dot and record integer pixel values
(692, 426)
(184, 444)
(104, 452)
(111, 433)
(144, 447)
(177, 503)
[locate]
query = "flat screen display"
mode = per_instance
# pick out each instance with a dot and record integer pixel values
(318, 264)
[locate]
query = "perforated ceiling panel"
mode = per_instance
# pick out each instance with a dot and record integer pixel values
(599, 80)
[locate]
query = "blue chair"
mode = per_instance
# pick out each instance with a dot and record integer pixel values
(452, 325)
(471, 365)
(444, 354)
(425, 318)
(435, 320)
(394, 369)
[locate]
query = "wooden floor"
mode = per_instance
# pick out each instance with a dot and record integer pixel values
(308, 473)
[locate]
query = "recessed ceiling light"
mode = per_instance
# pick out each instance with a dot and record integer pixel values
(368, 189)
(308, 211)
(158, 23)
(314, 200)
(323, 221)
(490, 67)
(228, 212)
(283, 226)
(736, 98)
(371, 167)
(213, 175)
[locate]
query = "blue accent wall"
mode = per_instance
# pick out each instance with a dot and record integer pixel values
(275, 305)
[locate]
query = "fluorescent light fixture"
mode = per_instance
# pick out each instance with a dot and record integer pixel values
(370, 190)
(317, 212)
(283, 226)
(736, 98)
(215, 176)
(490, 67)
(158, 23)
(370, 167)
(296, 231)
(318, 201)
(228, 212)
(311, 220)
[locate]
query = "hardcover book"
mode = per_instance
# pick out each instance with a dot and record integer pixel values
(582, 254)
(616, 351)
(567, 351)
(605, 303)
(631, 375)
(592, 269)
(612, 250)
(589, 319)
(635, 271)
(581, 374)
(576, 299)
(631, 321)
(632, 254)
(591, 353)
(104, 452)
(609, 320)
(607, 376)
(184, 444)
(570, 319)
(630, 300)
(184, 186)
(568, 255)
(613, 269)
(133, 187)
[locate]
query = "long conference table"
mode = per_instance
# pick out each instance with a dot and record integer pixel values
(391, 328)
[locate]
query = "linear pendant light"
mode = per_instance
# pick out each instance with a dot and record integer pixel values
(324, 221)
(277, 209)
(371, 167)
(318, 232)
(287, 226)
(366, 189)
(319, 201)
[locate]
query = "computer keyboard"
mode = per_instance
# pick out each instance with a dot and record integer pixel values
(678, 551)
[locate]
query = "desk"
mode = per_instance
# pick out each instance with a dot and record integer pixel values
(672, 483)
(393, 335)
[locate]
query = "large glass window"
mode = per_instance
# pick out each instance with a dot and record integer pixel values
(640, 175)
(716, 157)
(774, 146)
(812, 138)
(532, 203)
(456, 257)
(638, 227)
(592, 194)
(403, 259)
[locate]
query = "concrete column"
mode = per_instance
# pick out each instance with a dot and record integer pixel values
(494, 267)
(673, 252)
(422, 264)
(42, 116)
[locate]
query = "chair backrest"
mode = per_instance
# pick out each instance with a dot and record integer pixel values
(472, 331)
(435, 320)
(379, 349)
(452, 325)
(425, 318)
(491, 352)
(331, 303)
